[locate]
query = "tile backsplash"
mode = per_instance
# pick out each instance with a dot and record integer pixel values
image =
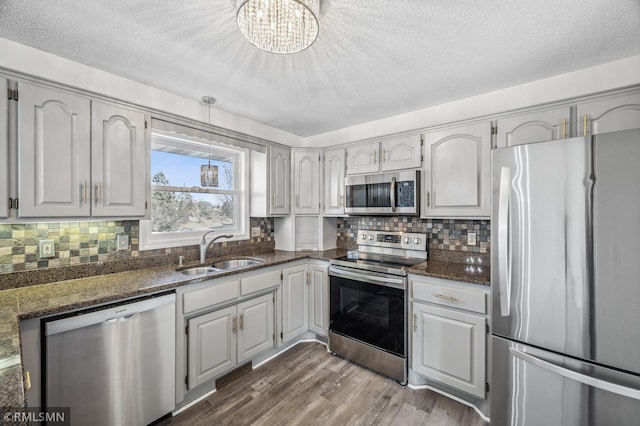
(81, 243)
(443, 234)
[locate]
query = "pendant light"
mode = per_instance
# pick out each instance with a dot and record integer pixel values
(209, 173)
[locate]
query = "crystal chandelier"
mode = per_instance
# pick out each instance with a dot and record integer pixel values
(279, 26)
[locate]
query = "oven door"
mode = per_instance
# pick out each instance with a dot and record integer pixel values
(369, 307)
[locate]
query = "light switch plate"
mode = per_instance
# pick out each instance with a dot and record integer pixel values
(471, 238)
(255, 231)
(122, 242)
(46, 249)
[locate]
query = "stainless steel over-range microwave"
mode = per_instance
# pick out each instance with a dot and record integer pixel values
(393, 193)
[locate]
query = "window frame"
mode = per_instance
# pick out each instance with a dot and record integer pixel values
(150, 240)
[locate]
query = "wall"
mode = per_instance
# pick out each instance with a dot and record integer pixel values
(89, 245)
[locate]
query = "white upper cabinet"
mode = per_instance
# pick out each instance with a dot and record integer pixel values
(392, 154)
(363, 158)
(54, 153)
(456, 172)
(403, 153)
(334, 182)
(119, 158)
(609, 115)
(306, 179)
(279, 180)
(270, 177)
(534, 127)
(4, 149)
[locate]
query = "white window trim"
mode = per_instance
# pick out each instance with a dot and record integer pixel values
(151, 241)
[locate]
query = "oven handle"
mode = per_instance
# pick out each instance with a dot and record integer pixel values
(368, 277)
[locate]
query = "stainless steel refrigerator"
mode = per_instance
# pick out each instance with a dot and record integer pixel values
(565, 277)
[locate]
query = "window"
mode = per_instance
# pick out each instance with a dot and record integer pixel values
(182, 209)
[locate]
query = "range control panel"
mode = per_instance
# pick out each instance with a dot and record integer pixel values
(402, 240)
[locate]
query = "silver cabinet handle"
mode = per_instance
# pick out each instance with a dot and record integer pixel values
(273, 199)
(428, 199)
(578, 377)
(384, 155)
(415, 321)
(234, 325)
(241, 321)
(98, 193)
(375, 156)
(449, 298)
(84, 192)
(504, 275)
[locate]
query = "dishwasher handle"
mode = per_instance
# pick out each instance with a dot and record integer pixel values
(111, 314)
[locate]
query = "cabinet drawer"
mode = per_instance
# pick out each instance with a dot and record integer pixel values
(210, 296)
(260, 282)
(469, 300)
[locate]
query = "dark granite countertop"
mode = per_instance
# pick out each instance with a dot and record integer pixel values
(47, 299)
(452, 271)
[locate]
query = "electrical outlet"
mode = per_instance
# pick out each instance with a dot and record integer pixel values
(122, 242)
(47, 248)
(471, 239)
(255, 231)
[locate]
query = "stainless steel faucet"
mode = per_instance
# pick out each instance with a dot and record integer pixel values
(204, 245)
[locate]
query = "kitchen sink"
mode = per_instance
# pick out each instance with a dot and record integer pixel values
(236, 263)
(199, 270)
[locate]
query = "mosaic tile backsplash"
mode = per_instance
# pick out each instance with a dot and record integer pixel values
(80, 243)
(443, 234)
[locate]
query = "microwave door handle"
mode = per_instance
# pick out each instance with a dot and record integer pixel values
(393, 194)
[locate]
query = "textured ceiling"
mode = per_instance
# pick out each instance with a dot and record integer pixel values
(372, 59)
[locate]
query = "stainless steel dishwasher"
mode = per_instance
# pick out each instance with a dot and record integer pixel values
(113, 366)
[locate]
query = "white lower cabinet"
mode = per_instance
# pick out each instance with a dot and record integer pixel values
(319, 298)
(219, 340)
(295, 319)
(449, 335)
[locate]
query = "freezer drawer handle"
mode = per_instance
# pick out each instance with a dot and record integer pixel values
(578, 377)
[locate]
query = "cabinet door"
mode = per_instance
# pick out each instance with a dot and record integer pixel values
(4, 149)
(118, 160)
(449, 347)
(54, 151)
(609, 115)
(211, 345)
(294, 302)
(318, 299)
(534, 127)
(279, 180)
(363, 158)
(307, 182)
(255, 326)
(334, 182)
(457, 172)
(404, 153)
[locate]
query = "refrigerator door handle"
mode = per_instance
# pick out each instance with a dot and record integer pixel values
(578, 377)
(504, 258)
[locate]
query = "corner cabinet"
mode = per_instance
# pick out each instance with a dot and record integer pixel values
(392, 154)
(612, 114)
(449, 334)
(539, 126)
(79, 158)
(295, 319)
(306, 171)
(270, 182)
(334, 170)
(457, 172)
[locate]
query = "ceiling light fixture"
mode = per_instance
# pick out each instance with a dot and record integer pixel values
(209, 173)
(279, 26)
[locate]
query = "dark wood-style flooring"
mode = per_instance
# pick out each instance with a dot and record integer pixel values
(308, 386)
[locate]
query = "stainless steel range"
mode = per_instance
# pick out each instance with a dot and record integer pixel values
(368, 300)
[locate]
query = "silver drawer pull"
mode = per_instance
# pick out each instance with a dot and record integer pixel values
(449, 298)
